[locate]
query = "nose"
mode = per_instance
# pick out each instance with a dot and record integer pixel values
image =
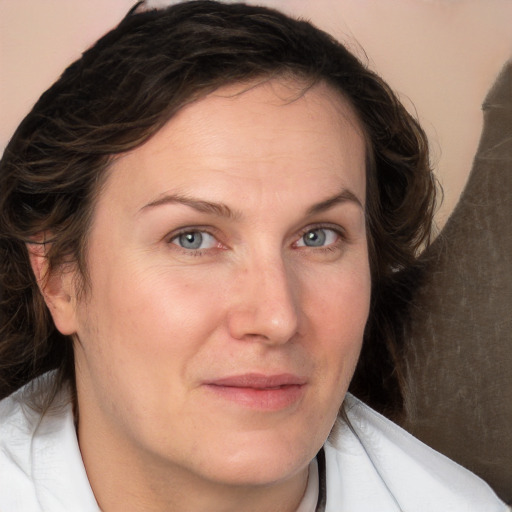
(265, 305)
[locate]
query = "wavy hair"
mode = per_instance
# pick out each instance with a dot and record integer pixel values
(123, 90)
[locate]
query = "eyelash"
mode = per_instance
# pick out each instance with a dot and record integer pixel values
(191, 230)
(340, 233)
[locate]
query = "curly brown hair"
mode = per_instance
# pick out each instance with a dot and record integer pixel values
(123, 90)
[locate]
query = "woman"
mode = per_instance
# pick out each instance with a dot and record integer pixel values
(200, 222)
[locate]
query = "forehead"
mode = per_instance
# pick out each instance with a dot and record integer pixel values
(275, 132)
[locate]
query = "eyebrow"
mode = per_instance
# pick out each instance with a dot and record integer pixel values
(343, 197)
(222, 210)
(218, 209)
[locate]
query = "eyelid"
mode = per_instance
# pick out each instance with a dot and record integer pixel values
(204, 237)
(214, 232)
(209, 230)
(339, 230)
(192, 229)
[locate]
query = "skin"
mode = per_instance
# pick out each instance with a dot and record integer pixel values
(161, 321)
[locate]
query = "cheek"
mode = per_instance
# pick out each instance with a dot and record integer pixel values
(156, 317)
(338, 308)
(152, 331)
(340, 297)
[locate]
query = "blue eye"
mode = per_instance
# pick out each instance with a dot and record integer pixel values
(194, 240)
(318, 237)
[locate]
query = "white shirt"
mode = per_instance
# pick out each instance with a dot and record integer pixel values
(370, 466)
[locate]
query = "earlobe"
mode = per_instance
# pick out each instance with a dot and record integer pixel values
(56, 287)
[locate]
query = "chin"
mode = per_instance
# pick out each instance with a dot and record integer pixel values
(261, 461)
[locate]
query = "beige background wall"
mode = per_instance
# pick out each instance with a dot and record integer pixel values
(440, 55)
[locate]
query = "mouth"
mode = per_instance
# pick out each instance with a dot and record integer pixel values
(258, 391)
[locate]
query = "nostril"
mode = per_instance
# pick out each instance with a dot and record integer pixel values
(270, 325)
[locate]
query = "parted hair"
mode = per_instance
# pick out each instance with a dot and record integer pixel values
(122, 91)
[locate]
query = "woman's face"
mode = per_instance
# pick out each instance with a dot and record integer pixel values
(229, 289)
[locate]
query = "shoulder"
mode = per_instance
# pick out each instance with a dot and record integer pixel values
(18, 423)
(373, 464)
(40, 463)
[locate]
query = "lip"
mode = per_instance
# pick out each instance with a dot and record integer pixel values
(260, 391)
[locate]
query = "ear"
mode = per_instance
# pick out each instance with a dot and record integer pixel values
(57, 286)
